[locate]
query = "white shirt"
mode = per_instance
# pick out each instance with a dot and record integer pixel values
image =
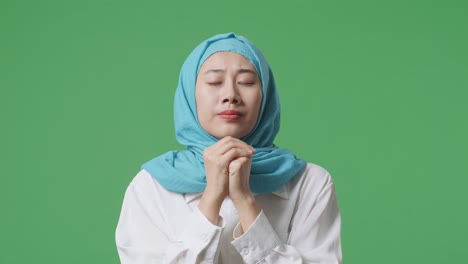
(300, 223)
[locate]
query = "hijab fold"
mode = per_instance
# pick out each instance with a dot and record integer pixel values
(183, 171)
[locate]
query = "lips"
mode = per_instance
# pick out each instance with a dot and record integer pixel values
(229, 115)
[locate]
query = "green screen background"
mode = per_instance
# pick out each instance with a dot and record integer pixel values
(375, 92)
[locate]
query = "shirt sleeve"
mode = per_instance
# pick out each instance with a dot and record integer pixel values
(143, 236)
(315, 235)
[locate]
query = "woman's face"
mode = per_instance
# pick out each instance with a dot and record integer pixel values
(228, 94)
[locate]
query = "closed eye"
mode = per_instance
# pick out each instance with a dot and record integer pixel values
(246, 83)
(214, 83)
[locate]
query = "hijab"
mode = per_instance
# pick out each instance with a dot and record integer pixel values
(183, 171)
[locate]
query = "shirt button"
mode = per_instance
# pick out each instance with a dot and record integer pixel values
(204, 238)
(245, 251)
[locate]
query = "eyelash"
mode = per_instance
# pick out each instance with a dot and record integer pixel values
(219, 83)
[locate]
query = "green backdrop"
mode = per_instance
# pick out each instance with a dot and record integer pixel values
(374, 91)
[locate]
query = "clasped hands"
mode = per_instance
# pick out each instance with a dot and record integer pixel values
(227, 166)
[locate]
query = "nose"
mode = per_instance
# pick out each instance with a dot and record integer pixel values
(230, 94)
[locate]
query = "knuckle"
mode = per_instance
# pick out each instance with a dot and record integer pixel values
(230, 143)
(226, 139)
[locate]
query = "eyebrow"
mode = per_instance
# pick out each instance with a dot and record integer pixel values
(242, 70)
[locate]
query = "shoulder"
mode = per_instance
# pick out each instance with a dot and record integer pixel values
(143, 181)
(314, 172)
(145, 186)
(313, 180)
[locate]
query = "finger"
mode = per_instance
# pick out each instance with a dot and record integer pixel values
(235, 153)
(221, 146)
(227, 143)
(222, 150)
(238, 163)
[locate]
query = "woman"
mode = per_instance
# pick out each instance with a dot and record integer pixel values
(232, 196)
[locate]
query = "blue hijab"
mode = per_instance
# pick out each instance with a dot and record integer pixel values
(183, 171)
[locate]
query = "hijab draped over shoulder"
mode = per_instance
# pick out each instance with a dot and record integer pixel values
(183, 171)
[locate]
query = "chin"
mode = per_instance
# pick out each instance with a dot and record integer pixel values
(223, 134)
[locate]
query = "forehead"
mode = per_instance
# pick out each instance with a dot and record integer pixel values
(223, 60)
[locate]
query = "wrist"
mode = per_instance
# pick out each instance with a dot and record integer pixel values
(243, 200)
(247, 209)
(214, 196)
(210, 207)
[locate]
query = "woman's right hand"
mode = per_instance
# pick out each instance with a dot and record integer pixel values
(217, 158)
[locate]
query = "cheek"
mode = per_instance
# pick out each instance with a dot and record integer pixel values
(199, 101)
(258, 101)
(204, 103)
(254, 103)
(205, 98)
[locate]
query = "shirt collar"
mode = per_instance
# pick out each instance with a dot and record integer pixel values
(282, 193)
